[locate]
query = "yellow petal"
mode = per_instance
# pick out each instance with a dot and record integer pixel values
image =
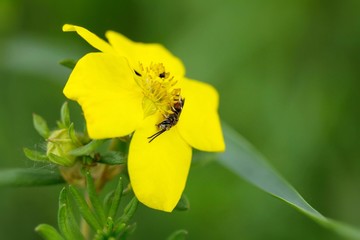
(91, 38)
(199, 123)
(158, 170)
(146, 53)
(111, 100)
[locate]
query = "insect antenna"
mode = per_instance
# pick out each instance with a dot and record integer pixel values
(152, 137)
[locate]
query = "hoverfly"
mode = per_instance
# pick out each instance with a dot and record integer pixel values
(170, 120)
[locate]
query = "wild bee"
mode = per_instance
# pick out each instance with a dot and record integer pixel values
(170, 120)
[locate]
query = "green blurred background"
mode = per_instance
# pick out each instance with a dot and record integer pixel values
(288, 75)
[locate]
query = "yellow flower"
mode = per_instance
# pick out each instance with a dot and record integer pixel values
(131, 87)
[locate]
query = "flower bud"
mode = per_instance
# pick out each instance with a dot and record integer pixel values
(58, 147)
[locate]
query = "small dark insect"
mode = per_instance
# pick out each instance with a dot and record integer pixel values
(162, 75)
(170, 120)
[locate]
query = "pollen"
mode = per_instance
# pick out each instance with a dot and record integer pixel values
(158, 88)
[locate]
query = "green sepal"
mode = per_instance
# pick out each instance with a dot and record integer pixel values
(48, 232)
(129, 210)
(87, 149)
(112, 158)
(84, 209)
(35, 155)
(116, 199)
(65, 115)
(63, 161)
(183, 203)
(94, 199)
(178, 235)
(69, 63)
(41, 126)
(72, 135)
(29, 177)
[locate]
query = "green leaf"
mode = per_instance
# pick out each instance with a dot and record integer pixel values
(94, 199)
(242, 159)
(112, 158)
(66, 219)
(178, 235)
(116, 199)
(183, 203)
(84, 209)
(29, 177)
(48, 232)
(130, 229)
(41, 126)
(87, 149)
(108, 199)
(119, 229)
(202, 158)
(65, 115)
(69, 63)
(129, 210)
(35, 155)
(62, 215)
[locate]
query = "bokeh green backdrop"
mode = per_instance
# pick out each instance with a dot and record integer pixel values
(288, 74)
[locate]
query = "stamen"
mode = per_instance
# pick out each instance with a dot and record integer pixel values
(157, 86)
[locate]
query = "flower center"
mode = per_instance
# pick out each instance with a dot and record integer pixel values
(157, 86)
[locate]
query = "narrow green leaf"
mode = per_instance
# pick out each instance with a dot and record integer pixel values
(183, 203)
(29, 177)
(100, 236)
(108, 199)
(62, 222)
(112, 158)
(201, 158)
(116, 199)
(66, 219)
(35, 155)
(109, 226)
(62, 214)
(63, 161)
(87, 149)
(65, 115)
(72, 223)
(242, 159)
(129, 210)
(178, 235)
(84, 209)
(119, 229)
(41, 126)
(48, 232)
(94, 199)
(130, 229)
(69, 63)
(127, 190)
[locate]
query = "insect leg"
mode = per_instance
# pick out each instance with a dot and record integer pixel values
(152, 137)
